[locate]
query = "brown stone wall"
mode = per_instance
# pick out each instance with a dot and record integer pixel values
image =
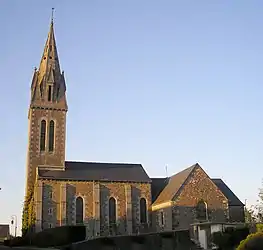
(85, 190)
(140, 190)
(199, 187)
(35, 157)
(117, 190)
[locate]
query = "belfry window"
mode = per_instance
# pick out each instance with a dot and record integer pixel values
(49, 93)
(51, 136)
(43, 135)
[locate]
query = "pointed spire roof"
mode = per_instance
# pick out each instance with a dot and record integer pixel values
(49, 78)
(49, 61)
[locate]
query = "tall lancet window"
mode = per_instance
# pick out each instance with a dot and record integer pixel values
(143, 211)
(79, 210)
(112, 210)
(51, 136)
(43, 135)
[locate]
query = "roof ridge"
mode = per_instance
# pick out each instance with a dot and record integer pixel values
(101, 162)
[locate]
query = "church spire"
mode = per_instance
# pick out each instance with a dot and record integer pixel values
(48, 86)
(49, 58)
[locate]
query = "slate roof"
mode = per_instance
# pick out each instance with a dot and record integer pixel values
(4, 231)
(157, 186)
(97, 171)
(232, 198)
(175, 183)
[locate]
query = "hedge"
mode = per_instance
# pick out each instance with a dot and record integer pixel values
(51, 237)
(252, 242)
(230, 238)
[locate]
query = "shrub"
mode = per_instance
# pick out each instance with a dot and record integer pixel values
(7, 243)
(59, 236)
(230, 238)
(18, 241)
(51, 237)
(259, 227)
(252, 242)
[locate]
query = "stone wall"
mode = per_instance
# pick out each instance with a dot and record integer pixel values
(156, 241)
(236, 214)
(59, 205)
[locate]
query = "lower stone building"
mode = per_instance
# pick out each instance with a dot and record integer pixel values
(191, 196)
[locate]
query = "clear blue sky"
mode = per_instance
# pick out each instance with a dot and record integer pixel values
(153, 82)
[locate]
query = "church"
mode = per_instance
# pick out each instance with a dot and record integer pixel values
(108, 198)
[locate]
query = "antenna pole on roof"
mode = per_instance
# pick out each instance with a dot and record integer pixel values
(166, 170)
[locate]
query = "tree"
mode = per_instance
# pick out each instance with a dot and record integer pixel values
(250, 216)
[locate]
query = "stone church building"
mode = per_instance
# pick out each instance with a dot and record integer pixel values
(109, 198)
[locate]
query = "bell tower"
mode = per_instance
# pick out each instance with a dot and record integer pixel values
(47, 113)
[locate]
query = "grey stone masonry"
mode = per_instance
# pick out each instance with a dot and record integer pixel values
(38, 204)
(128, 208)
(96, 208)
(63, 204)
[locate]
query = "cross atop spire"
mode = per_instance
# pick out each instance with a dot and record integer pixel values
(52, 15)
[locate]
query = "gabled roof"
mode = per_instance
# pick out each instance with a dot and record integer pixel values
(97, 171)
(4, 231)
(174, 184)
(232, 198)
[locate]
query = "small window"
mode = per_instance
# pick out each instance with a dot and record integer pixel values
(161, 218)
(50, 225)
(49, 93)
(50, 195)
(50, 211)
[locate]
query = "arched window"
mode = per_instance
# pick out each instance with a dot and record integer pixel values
(79, 210)
(112, 210)
(201, 211)
(43, 135)
(51, 136)
(143, 210)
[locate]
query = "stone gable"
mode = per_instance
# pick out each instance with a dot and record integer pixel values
(198, 187)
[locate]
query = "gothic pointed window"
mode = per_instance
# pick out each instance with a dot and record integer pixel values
(143, 211)
(201, 211)
(79, 210)
(112, 210)
(43, 135)
(51, 136)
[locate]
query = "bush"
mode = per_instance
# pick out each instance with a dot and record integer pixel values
(7, 243)
(59, 236)
(51, 237)
(19, 241)
(252, 242)
(230, 238)
(259, 227)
